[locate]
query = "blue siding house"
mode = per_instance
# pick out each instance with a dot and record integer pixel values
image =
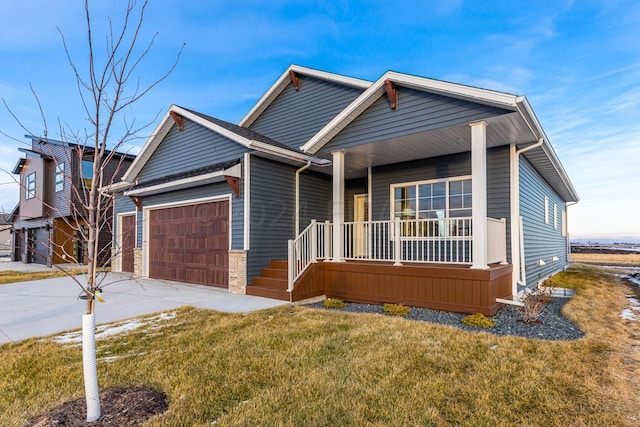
(406, 189)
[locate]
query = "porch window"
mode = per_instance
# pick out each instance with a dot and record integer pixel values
(59, 177)
(431, 202)
(30, 186)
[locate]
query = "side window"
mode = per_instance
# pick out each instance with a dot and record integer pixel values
(59, 177)
(87, 172)
(564, 223)
(555, 216)
(30, 186)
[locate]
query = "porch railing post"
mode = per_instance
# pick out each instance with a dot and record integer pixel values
(314, 241)
(327, 240)
(397, 246)
(291, 265)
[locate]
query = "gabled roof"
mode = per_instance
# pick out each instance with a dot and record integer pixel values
(284, 80)
(377, 89)
(544, 155)
(243, 136)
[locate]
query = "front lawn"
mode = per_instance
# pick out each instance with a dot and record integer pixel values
(297, 366)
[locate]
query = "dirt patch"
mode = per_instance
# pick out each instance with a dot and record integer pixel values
(119, 406)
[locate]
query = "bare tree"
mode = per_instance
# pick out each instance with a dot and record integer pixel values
(101, 87)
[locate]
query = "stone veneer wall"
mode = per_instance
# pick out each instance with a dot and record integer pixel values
(137, 263)
(238, 271)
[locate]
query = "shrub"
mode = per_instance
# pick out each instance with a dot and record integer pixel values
(478, 320)
(396, 310)
(334, 303)
(533, 304)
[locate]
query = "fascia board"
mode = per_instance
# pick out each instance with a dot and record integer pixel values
(283, 81)
(178, 184)
(211, 126)
(454, 89)
(161, 131)
(287, 154)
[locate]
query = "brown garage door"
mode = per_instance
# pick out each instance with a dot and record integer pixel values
(128, 242)
(190, 244)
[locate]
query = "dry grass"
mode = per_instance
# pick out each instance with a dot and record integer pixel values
(10, 276)
(608, 259)
(295, 366)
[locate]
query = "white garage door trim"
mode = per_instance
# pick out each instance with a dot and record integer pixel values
(145, 222)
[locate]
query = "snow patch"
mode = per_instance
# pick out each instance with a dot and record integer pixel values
(116, 328)
(632, 313)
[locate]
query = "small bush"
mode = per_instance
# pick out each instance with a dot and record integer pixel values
(534, 302)
(334, 303)
(478, 320)
(396, 310)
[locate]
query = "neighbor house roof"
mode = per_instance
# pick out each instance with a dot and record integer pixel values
(243, 136)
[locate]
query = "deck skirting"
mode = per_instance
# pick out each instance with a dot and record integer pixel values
(439, 287)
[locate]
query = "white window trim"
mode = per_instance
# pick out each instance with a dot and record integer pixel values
(564, 223)
(555, 216)
(392, 187)
(28, 194)
(546, 210)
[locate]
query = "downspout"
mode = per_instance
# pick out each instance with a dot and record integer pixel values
(566, 214)
(303, 168)
(517, 251)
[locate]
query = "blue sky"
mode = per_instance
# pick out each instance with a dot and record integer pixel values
(577, 62)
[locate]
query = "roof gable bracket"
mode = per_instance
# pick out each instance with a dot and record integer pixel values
(234, 183)
(136, 201)
(392, 93)
(178, 119)
(295, 79)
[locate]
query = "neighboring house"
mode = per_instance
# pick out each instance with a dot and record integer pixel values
(49, 218)
(5, 235)
(406, 190)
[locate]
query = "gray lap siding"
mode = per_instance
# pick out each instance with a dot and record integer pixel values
(417, 112)
(189, 149)
(294, 117)
(541, 240)
(273, 209)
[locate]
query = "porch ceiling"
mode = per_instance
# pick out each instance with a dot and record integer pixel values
(501, 130)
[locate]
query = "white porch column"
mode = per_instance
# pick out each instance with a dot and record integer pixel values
(338, 204)
(479, 193)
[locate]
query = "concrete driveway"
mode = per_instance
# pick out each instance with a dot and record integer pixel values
(44, 307)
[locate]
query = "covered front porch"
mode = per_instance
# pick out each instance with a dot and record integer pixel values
(421, 263)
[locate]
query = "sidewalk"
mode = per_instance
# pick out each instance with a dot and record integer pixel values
(44, 307)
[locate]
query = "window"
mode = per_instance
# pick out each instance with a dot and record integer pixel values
(437, 199)
(30, 186)
(564, 223)
(546, 210)
(59, 177)
(555, 216)
(87, 172)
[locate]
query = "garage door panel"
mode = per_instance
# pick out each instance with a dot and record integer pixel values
(190, 243)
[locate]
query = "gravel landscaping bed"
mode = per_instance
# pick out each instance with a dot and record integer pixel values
(552, 325)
